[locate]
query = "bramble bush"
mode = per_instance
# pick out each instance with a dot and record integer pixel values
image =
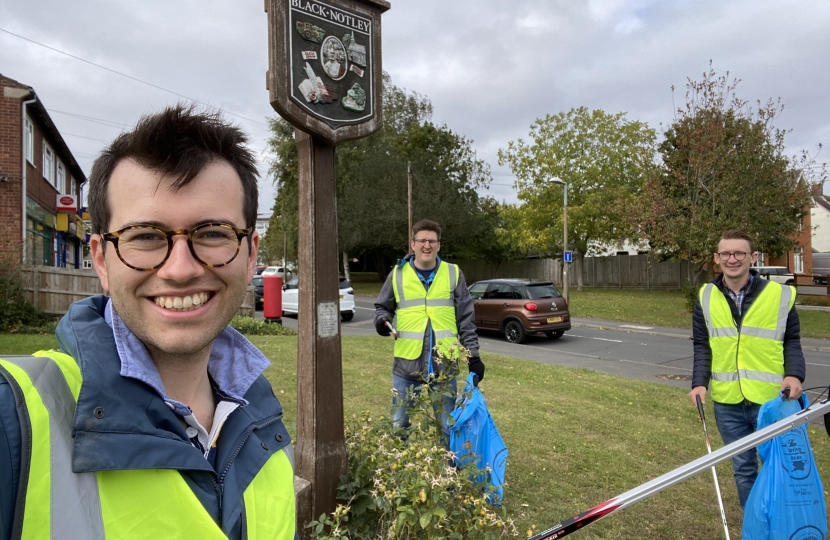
(402, 483)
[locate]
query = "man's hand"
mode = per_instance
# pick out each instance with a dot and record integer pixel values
(698, 391)
(794, 385)
(381, 328)
(476, 366)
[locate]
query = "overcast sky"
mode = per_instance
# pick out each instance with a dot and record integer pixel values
(490, 67)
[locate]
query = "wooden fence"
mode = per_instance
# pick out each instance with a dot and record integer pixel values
(53, 290)
(616, 271)
(620, 272)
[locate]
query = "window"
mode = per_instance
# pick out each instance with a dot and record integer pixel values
(502, 291)
(799, 260)
(29, 142)
(537, 292)
(73, 186)
(60, 179)
(477, 291)
(48, 164)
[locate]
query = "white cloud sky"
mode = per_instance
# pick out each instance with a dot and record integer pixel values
(490, 67)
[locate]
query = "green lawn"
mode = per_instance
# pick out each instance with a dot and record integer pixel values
(576, 438)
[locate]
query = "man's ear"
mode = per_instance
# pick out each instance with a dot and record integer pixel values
(252, 255)
(96, 249)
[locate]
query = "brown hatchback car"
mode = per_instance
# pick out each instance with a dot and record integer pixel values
(520, 307)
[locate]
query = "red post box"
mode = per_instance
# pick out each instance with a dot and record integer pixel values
(272, 298)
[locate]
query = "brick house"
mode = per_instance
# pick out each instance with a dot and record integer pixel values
(40, 183)
(800, 260)
(820, 216)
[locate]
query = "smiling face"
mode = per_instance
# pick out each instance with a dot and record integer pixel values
(179, 309)
(734, 271)
(425, 246)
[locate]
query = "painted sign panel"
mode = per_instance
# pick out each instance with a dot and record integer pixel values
(330, 62)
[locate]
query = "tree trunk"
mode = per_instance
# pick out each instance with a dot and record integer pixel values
(346, 271)
(580, 261)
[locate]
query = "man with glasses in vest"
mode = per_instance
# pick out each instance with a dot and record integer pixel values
(434, 312)
(153, 419)
(747, 344)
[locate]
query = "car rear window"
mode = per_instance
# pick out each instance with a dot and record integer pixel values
(536, 292)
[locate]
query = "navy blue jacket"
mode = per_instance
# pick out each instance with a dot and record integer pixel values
(139, 431)
(794, 365)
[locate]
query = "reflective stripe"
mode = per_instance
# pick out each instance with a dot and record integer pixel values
(783, 310)
(760, 376)
(435, 302)
(70, 513)
(761, 333)
(725, 377)
(399, 283)
(410, 303)
(723, 332)
(442, 334)
(410, 335)
(453, 278)
(705, 300)
(289, 451)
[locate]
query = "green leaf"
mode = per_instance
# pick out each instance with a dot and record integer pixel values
(426, 517)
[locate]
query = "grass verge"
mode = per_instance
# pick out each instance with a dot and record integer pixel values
(576, 437)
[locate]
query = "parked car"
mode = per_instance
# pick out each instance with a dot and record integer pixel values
(520, 307)
(257, 282)
(821, 268)
(260, 268)
(284, 273)
(291, 298)
(781, 274)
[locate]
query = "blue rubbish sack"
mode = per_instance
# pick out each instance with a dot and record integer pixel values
(787, 500)
(474, 424)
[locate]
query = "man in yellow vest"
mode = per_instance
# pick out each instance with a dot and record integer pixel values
(747, 344)
(153, 420)
(434, 312)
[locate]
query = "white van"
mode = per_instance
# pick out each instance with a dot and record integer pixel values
(821, 268)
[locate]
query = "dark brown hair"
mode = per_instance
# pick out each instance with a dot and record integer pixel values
(736, 234)
(177, 142)
(426, 225)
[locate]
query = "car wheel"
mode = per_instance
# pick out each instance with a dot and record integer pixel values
(555, 334)
(789, 282)
(347, 316)
(514, 332)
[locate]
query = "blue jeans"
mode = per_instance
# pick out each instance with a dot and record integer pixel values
(736, 422)
(400, 404)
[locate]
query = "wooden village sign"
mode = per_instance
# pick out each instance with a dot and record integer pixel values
(324, 77)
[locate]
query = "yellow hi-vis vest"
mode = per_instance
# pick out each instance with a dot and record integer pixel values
(132, 504)
(747, 363)
(416, 306)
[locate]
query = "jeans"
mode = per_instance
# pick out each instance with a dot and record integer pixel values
(400, 404)
(735, 422)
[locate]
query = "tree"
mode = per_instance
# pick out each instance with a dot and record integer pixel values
(603, 158)
(281, 239)
(372, 182)
(723, 167)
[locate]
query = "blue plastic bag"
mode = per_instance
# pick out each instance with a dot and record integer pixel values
(787, 500)
(474, 424)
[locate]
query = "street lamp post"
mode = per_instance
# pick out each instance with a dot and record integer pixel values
(557, 180)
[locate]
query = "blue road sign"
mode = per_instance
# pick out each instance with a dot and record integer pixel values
(569, 256)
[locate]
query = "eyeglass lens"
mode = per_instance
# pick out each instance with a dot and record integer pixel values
(425, 242)
(148, 247)
(739, 255)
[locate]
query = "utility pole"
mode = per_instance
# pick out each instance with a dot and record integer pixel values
(409, 203)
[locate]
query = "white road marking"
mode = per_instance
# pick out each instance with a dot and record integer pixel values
(635, 327)
(596, 338)
(366, 308)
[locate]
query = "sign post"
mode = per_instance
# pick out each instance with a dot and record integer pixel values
(324, 77)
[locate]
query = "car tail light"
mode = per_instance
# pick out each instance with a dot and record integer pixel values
(350, 290)
(531, 306)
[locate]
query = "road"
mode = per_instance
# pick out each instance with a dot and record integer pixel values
(631, 350)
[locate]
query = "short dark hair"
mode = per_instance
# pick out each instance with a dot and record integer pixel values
(736, 234)
(426, 225)
(178, 142)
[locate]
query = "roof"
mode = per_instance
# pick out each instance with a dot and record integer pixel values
(37, 111)
(820, 198)
(515, 281)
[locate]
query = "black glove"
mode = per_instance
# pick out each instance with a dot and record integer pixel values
(381, 328)
(476, 366)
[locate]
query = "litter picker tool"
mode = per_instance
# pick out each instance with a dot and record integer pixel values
(714, 472)
(391, 329)
(684, 472)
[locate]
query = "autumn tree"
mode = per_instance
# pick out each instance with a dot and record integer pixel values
(603, 157)
(723, 166)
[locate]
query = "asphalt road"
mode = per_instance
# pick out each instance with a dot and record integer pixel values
(631, 350)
